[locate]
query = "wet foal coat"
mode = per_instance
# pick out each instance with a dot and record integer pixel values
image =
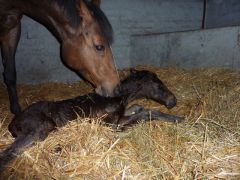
(39, 119)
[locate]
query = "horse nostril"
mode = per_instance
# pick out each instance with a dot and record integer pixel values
(171, 102)
(116, 91)
(103, 92)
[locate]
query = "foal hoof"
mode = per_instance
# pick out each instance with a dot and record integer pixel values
(179, 119)
(118, 128)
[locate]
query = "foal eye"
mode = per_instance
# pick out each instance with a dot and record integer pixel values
(99, 47)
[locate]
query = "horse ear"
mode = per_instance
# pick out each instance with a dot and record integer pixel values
(96, 2)
(84, 11)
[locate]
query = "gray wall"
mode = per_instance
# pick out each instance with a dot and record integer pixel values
(133, 21)
(193, 49)
(131, 17)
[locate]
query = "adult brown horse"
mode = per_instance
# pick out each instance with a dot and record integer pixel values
(82, 29)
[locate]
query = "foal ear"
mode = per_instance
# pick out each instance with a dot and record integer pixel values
(133, 71)
(84, 12)
(96, 2)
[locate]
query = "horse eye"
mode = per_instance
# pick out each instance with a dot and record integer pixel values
(99, 47)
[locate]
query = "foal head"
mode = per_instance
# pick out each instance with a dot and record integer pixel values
(145, 84)
(86, 47)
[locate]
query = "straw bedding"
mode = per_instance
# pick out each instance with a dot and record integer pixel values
(206, 145)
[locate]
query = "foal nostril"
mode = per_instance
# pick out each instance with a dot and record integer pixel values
(171, 102)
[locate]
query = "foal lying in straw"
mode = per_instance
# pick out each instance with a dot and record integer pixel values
(38, 120)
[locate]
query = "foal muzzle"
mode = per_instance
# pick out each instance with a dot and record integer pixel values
(171, 102)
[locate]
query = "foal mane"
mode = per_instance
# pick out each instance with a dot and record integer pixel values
(71, 10)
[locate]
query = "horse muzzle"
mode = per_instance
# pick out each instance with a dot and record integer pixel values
(103, 91)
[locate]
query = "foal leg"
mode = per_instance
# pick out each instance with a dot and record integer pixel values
(15, 149)
(134, 109)
(146, 115)
(113, 118)
(10, 30)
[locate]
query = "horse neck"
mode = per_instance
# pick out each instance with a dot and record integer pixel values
(47, 13)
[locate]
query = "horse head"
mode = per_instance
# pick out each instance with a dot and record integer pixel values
(86, 48)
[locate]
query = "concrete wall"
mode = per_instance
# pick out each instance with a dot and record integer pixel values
(131, 17)
(202, 48)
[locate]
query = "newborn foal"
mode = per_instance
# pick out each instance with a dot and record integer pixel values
(39, 119)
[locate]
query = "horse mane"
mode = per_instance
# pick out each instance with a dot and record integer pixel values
(71, 10)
